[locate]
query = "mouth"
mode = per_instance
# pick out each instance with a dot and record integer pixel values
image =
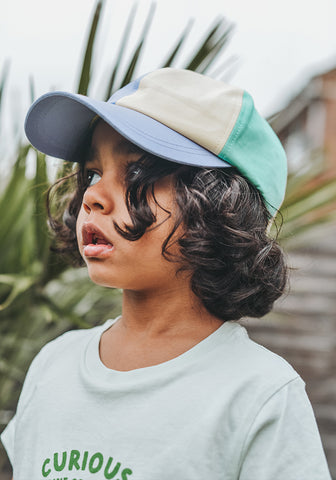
(95, 244)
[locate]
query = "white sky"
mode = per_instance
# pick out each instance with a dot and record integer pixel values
(279, 44)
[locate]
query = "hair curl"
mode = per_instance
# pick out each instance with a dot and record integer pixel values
(235, 268)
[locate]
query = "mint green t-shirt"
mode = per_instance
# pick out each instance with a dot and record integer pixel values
(227, 409)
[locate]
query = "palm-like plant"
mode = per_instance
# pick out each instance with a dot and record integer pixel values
(310, 201)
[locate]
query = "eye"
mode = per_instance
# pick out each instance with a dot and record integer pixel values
(92, 178)
(136, 171)
(133, 169)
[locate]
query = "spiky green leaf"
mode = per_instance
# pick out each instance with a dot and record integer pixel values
(3, 78)
(208, 43)
(123, 45)
(178, 46)
(136, 55)
(85, 76)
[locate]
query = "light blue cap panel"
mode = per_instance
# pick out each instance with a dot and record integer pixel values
(125, 91)
(256, 151)
(57, 123)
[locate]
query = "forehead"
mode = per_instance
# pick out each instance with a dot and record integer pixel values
(104, 136)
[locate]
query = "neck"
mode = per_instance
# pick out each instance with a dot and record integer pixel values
(170, 312)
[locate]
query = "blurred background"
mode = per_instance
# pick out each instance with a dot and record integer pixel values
(283, 53)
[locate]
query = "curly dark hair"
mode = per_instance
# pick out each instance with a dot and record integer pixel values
(235, 268)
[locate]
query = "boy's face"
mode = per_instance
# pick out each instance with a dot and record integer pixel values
(113, 261)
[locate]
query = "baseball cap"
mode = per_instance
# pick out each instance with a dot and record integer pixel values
(175, 114)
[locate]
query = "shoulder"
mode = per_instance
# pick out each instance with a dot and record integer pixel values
(253, 385)
(59, 353)
(261, 358)
(73, 336)
(247, 366)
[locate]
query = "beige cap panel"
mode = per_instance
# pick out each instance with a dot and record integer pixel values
(202, 109)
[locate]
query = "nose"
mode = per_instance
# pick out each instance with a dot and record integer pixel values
(98, 197)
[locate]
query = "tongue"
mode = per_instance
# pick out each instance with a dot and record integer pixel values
(96, 250)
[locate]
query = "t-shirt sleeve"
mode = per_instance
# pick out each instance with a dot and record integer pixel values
(29, 385)
(283, 442)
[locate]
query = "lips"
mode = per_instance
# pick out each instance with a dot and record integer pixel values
(94, 241)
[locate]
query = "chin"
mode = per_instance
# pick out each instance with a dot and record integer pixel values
(101, 278)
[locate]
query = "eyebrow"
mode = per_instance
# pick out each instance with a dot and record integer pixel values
(122, 147)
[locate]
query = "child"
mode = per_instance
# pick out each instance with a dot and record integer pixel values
(178, 180)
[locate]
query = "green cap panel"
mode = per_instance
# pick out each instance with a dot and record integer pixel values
(256, 151)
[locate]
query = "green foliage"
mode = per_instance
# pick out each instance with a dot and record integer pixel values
(138, 50)
(85, 77)
(3, 79)
(123, 45)
(210, 47)
(310, 201)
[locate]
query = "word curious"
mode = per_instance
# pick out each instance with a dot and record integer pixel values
(75, 460)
